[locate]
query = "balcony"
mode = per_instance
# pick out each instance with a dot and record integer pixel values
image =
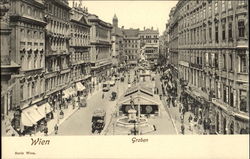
(196, 65)
(242, 77)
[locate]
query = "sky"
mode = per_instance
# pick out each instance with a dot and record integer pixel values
(132, 14)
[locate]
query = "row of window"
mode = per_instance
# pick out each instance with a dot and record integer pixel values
(132, 41)
(31, 89)
(31, 34)
(132, 46)
(148, 36)
(58, 27)
(199, 14)
(56, 64)
(58, 45)
(58, 12)
(53, 82)
(31, 11)
(218, 33)
(228, 61)
(132, 51)
(226, 93)
(79, 72)
(32, 61)
(79, 57)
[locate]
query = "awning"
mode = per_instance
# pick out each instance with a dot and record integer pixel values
(30, 116)
(26, 120)
(80, 87)
(66, 93)
(71, 91)
(44, 109)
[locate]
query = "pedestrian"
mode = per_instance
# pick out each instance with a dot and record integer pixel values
(190, 118)
(191, 125)
(56, 129)
(182, 129)
(182, 118)
(46, 131)
(103, 96)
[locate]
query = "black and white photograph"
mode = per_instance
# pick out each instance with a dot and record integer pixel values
(133, 68)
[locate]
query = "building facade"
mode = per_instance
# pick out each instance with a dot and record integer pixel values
(117, 44)
(101, 56)
(80, 46)
(213, 57)
(8, 66)
(131, 45)
(173, 41)
(28, 51)
(57, 38)
(149, 43)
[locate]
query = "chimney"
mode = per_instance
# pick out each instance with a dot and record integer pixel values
(144, 28)
(152, 28)
(122, 27)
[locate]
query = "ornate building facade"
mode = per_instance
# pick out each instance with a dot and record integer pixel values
(131, 45)
(117, 44)
(149, 44)
(58, 74)
(28, 51)
(80, 46)
(100, 41)
(213, 57)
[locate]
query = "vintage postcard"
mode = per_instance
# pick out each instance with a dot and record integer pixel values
(124, 79)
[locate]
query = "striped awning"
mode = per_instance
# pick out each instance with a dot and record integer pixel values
(30, 116)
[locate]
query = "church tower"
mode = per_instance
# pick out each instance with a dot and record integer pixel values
(115, 21)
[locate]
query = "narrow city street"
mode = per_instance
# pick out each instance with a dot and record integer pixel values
(80, 122)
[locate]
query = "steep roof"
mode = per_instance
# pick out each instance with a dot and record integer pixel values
(144, 93)
(131, 32)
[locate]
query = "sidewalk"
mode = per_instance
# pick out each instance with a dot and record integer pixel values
(176, 118)
(67, 113)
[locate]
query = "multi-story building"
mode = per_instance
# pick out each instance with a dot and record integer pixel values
(100, 41)
(213, 57)
(80, 47)
(28, 51)
(131, 45)
(149, 43)
(117, 44)
(166, 44)
(57, 48)
(8, 66)
(173, 40)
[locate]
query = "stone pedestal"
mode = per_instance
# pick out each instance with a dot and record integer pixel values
(131, 115)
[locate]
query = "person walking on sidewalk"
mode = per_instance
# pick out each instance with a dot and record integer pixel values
(190, 118)
(56, 129)
(182, 129)
(46, 131)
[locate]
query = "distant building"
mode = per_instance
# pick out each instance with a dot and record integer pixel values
(100, 41)
(117, 44)
(131, 45)
(149, 43)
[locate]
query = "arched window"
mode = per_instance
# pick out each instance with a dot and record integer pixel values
(22, 9)
(29, 11)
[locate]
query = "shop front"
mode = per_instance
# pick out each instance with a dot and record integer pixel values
(31, 120)
(242, 123)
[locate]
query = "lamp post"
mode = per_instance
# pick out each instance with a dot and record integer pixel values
(139, 114)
